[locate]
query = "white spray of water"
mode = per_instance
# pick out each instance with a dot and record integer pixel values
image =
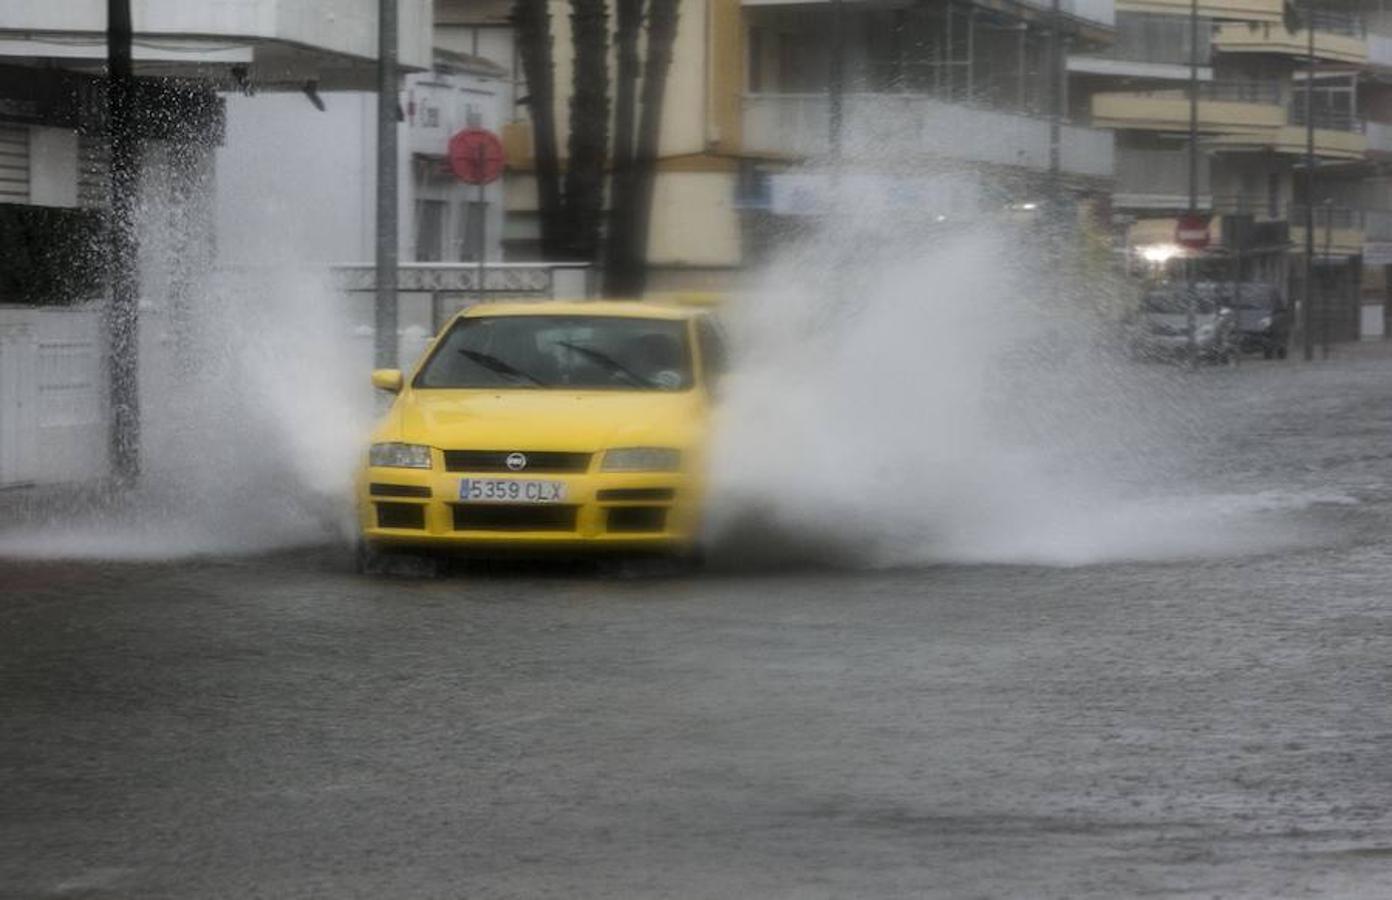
(254, 396)
(909, 396)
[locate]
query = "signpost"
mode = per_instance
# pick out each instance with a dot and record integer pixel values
(1191, 232)
(476, 157)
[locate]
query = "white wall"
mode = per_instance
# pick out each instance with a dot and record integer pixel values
(295, 184)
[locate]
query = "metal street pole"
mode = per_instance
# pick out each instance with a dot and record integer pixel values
(123, 312)
(836, 83)
(1307, 338)
(1190, 312)
(481, 158)
(1324, 302)
(385, 313)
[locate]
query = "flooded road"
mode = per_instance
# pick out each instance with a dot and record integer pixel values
(1171, 722)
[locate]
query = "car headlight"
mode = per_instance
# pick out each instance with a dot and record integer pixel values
(399, 456)
(642, 459)
(1205, 332)
(1265, 322)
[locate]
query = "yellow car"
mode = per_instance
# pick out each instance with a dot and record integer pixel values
(534, 425)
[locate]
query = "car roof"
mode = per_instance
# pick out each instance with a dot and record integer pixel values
(627, 309)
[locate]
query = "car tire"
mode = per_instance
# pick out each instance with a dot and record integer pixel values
(1280, 352)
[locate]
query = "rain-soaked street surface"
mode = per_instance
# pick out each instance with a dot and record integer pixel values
(279, 727)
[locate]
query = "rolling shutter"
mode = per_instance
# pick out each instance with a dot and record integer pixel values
(14, 164)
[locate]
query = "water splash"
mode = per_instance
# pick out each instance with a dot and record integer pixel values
(912, 395)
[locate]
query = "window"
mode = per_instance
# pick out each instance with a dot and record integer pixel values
(430, 230)
(561, 352)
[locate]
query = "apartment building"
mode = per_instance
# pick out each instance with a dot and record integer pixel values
(963, 88)
(1252, 127)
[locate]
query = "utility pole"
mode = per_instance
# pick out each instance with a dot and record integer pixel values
(1307, 336)
(385, 313)
(123, 311)
(1191, 264)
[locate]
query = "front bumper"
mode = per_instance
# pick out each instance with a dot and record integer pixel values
(420, 508)
(1165, 346)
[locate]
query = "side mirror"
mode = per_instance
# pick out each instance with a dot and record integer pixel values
(387, 380)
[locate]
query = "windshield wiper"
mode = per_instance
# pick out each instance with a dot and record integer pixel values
(494, 364)
(609, 362)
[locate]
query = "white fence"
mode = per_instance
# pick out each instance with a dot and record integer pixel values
(52, 396)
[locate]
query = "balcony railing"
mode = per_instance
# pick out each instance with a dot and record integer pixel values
(1150, 38)
(1377, 224)
(1380, 49)
(1336, 21)
(1266, 92)
(1329, 216)
(1325, 119)
(1379, 136)
(1157, 173)
(797, 125)
(1103, 11)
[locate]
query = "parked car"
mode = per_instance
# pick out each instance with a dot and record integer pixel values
(1160, 330)
(1263, 319)
(554, 425)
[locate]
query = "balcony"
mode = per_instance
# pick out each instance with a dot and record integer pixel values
(1252, 108)
(1086, 12)
(1380, 50)
(1237, 116)
(1242, 10)
(796, 126)
(1379, 137)
(284, 42)
(1149, 46)
(1339, 231)
(1338, 134)
(1155, 179)
(1102, 12)
(1339, 37)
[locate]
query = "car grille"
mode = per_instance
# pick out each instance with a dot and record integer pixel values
(635, 494)
(637, 519)
(506, 517)
(400, 515)
(397, 490)
(540, 461)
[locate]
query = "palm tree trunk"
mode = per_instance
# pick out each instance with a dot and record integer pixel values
(589, 129)
(662, 33)
(619, 258)
(532, 20)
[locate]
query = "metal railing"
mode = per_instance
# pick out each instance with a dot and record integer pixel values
(1379, 135)
(1154, 38)
(797, 125)
(1337, 21)
(1325, 118)
(1157, 172)
(1102, 11)
(1268, 92)
(1328, 215)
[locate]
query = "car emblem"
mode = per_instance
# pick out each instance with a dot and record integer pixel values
(517, 461)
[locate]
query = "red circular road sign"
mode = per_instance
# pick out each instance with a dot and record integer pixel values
(476, 156)
(1191, 231)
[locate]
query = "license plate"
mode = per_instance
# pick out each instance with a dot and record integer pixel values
(507, 490)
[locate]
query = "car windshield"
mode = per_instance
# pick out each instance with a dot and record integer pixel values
(539, 352)
(1175, 302)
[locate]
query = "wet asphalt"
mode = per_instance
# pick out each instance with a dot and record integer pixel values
(280, 727)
